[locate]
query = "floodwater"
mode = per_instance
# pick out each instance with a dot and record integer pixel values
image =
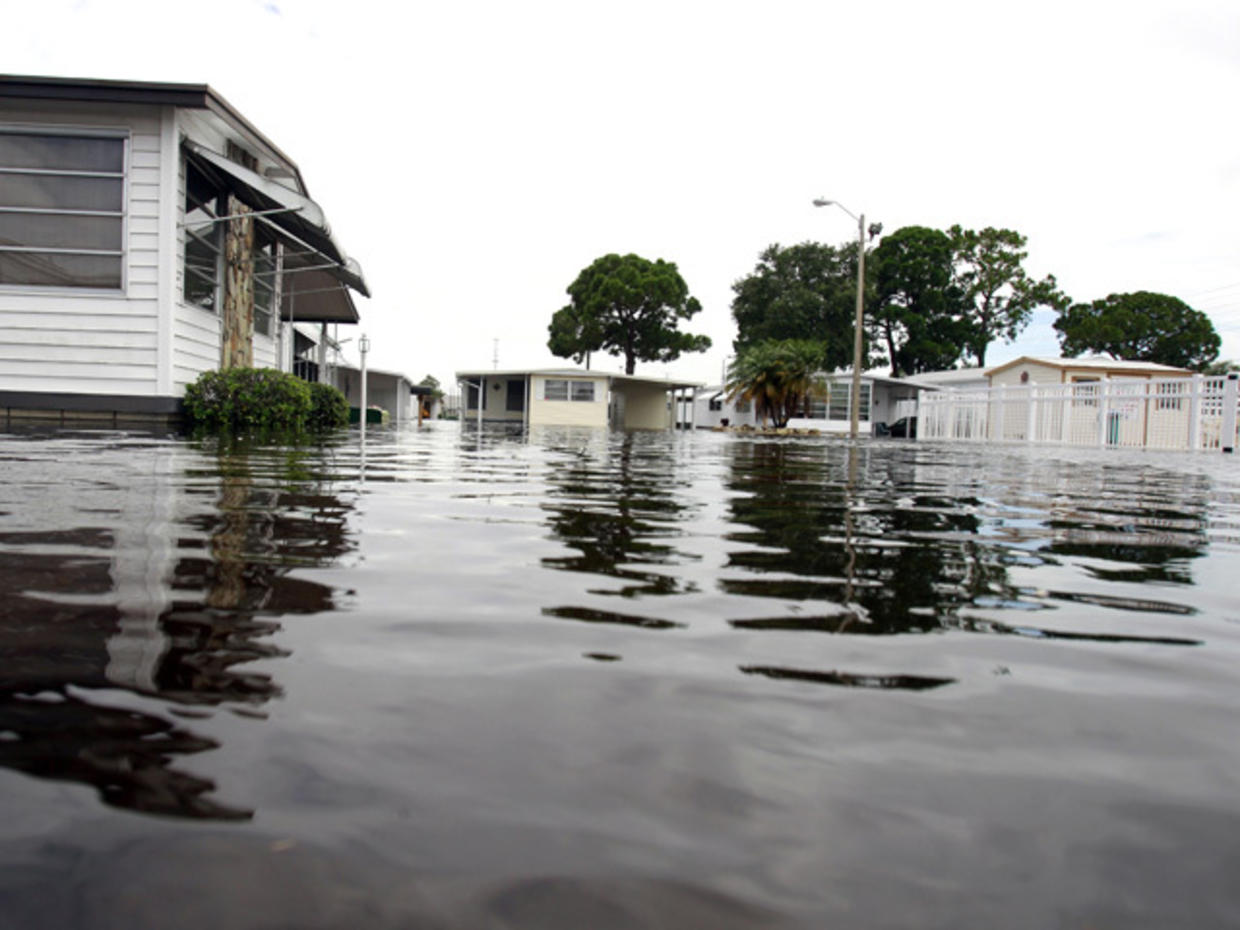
(580, 680)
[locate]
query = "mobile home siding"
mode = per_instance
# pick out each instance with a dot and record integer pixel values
(58, 340)
(568, 412)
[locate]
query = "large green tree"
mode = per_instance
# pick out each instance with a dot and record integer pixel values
(626, 305)
(918, 305)
(779, 376)
(1140, 326)
(999, 297)
(805, 291)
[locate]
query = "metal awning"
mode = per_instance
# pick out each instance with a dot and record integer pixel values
(318, 273)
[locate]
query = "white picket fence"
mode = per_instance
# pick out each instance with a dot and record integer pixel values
(1197, 413)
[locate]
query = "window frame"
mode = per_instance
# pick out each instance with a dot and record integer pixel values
(546, 391)
(213, 207)
(575, 386)
(124, 136)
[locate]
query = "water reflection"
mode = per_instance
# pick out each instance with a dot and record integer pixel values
(879, 548)
(161, 576)
(618, 507)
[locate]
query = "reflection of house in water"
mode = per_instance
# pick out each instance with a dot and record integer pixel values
(158, 584)
(617, 510)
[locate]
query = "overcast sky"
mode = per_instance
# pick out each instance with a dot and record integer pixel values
(474, 157)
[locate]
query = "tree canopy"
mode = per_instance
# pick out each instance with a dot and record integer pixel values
(918, 308)
(998, 295)
(626, 305)
(1140, 326)
(779, 376)
(805, 291)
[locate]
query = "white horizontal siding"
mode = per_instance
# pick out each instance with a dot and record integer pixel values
(264, 352)
(197, 345)
(66, 340)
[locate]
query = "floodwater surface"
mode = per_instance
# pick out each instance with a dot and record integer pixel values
(573, 679)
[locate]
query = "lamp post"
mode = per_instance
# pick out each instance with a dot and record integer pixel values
(363, 346)
(855, 406)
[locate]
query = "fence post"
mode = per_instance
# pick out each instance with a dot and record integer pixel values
(1194, 413)
(1104, 410)
(1031, 415)
(999, 437)
(1065, 413)
(1231, 396)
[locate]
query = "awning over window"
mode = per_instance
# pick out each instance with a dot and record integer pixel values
(318, 272)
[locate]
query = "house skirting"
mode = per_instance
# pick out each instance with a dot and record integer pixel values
(96, 409)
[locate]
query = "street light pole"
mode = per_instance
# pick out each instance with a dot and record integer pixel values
(363, 346)
(855, 405)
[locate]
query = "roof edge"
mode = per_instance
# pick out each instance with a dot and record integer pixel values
(149, 93)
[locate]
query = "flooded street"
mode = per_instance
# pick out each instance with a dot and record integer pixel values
(575, 679)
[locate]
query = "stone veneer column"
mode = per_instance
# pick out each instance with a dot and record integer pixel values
(237, 320)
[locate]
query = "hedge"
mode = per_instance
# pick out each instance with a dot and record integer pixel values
(260, 399)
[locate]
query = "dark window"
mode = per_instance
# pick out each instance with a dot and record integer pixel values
(555, 389)
(583, 390)
(62, 210)
(516, 397)
(471, 397)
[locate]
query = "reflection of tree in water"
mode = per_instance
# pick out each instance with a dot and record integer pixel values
(848, 547)
(613, 512)
(72, 621)
(908, 553)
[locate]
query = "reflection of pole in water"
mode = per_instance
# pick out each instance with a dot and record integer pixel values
(228, 543)
(855, 609)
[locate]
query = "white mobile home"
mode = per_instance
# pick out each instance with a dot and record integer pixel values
(149, 233)
(883, 400)
(570, 397)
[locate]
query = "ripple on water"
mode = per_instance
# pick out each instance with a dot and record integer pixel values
(583, 679)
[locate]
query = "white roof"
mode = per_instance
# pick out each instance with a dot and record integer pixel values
(1090, 361)
(668, 383)
(951, 376)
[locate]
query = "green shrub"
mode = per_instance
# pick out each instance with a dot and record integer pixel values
(328, 408)
(248, 399)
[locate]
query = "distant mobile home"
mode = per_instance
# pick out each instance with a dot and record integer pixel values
(149, 233)
(570, 397)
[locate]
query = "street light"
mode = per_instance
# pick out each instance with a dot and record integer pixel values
(363, 346)
(855, 411)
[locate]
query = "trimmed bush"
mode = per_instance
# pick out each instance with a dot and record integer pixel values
(248, 399)
(329, 408)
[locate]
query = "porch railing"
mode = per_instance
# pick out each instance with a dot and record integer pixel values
(1198, 413)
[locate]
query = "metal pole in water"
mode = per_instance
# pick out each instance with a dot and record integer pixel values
(363, 346)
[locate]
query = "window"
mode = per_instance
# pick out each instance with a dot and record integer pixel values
(264, 281)
(204, 243)
(741, 406)
(563, 389)
(471, 396)
(839, 404)
(715, 404)
(62, 209)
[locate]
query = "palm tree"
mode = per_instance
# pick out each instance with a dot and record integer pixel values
(779, 377)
